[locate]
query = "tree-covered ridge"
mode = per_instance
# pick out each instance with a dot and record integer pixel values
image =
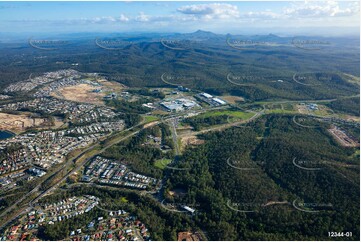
(207, 64)
(139, 156)
(222, 186)
(347, 105)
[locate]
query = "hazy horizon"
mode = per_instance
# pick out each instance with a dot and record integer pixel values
(331, 18)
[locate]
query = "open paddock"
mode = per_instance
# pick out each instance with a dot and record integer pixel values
(80, 93)
(19, 122)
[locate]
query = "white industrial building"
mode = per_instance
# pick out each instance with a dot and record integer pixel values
(219, 101)
(206, 95)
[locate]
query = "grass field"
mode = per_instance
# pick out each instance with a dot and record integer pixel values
(149, 119)
(161, 164)
(280, 111)
(323, 111)
(288, 106)
(234, 114)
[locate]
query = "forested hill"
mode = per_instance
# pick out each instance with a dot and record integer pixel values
(214, 63)
(272, 180)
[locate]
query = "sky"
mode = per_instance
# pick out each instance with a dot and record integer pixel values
(282, 17)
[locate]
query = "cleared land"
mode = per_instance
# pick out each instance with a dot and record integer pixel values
(88, 93)
(343, 138)
(19, 122)
(80, 93)
(188, 236)
(111, 86)
(190, 140)
(279, 111)
(322, 110)
(232, 99)
(150, 118)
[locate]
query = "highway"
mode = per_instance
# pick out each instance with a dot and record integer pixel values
(78, 166)
(174, 135)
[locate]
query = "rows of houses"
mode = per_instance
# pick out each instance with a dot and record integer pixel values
(341, 121)
(93, 128)
(67, 208)
(28, 225)
(3, 97)
(75, 112)
(33, 82)
(47, 148)
(117, 227)
(61, 83)
(110, 172)
(15, 160)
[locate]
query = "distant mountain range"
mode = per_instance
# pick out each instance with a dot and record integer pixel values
(199, 35)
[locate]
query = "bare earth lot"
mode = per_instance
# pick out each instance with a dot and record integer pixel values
(85, 92)
(18, 122)
(81, 93)
(190, 140)
(232, 99)
(343, 138)
(114, 86)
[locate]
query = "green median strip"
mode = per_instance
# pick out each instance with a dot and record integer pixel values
(161, 164)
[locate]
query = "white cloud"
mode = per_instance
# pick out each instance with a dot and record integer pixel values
(262, 14)
(321, 9)
(223, 16)
(106, 19)
(123, 18)
(100, 20)
(210, 11)
(142, 17)
(307, 9)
